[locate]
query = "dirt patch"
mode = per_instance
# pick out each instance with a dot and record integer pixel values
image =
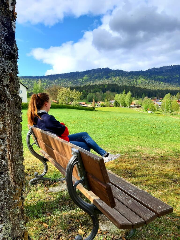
(61, 187)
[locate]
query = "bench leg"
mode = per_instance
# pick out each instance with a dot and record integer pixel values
(38, 156)
(40, 177)
(131, 233)
(88, 208)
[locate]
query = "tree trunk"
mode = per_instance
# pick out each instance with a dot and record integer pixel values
(12, 217)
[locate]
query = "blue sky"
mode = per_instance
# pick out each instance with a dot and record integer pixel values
(30, 36)
(60, 36)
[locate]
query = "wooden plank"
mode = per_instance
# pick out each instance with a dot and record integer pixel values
(114, 216)
(54, 142)
(129, 215)
(63, 161)
(94, 165)
(46, 148)
(152, 203)
(57, 165)
(47, 138)
(146, 214)
(37, 133)
(88, 194)
(58, 158)
(102, 190)
(62, 147)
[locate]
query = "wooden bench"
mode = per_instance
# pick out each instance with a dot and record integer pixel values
(125, 205)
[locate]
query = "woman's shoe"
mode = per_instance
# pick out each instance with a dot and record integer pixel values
(111, 157)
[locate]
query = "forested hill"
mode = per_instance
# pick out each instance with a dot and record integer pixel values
(167, 77)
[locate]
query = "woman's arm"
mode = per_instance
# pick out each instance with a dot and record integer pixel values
(56, 126)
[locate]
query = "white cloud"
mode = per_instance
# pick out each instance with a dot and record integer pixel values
(130, 28)
(134, 35)
(50, 12)
(69, 57)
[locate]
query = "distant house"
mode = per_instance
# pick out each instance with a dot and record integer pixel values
(23, 93)
(112, 102)
(178, 101)
(157, 102)
(83, 104)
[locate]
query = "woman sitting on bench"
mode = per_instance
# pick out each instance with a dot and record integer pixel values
(38, 116)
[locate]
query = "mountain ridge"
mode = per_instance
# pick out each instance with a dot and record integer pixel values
(166, 77)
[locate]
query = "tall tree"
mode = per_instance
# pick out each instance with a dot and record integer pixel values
(166, 103)
(122, 99)
(38, 87)
(12, 218)
(147, 104)
(53, 91)
(66, 95)
(128, 99)
(174, 106)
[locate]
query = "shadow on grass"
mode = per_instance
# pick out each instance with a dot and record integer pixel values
(56, 217)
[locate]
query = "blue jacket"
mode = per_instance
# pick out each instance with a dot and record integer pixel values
(48, 122)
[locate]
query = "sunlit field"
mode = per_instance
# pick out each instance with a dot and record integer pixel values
(149, 145)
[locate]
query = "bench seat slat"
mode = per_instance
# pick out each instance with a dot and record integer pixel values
(115, 217)
(129, 214)
(132, 204)
(152, 203)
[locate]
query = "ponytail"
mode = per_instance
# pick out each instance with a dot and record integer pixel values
(36, 103)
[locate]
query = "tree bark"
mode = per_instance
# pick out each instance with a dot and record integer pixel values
(12, 217)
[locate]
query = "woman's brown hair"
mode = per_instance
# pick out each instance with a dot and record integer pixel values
(36, 103)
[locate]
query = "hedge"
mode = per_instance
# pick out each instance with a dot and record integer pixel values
(55, 106)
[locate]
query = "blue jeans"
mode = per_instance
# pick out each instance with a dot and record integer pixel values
(84, 141)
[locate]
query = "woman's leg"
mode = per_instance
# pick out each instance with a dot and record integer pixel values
(84, 137)
(81, 144)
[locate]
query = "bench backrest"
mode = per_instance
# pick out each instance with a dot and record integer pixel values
(60, 152)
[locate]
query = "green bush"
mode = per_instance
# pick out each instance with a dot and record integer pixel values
(24, 105)
(55, 106)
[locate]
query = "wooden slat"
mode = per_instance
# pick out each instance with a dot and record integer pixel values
(62, 147)
(63, 161)
(44, 136)
(129, 214)
(58, 158)
(54, 142)
(47, 141)
(102, 190)
(132, 204)
(92, 163)
(88, 194)
(95, 166)
(46, 148)
(37, 133)
(152, 203)
(114, 216)
(57, 165)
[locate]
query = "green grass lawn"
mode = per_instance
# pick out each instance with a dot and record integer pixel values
(150, 149)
